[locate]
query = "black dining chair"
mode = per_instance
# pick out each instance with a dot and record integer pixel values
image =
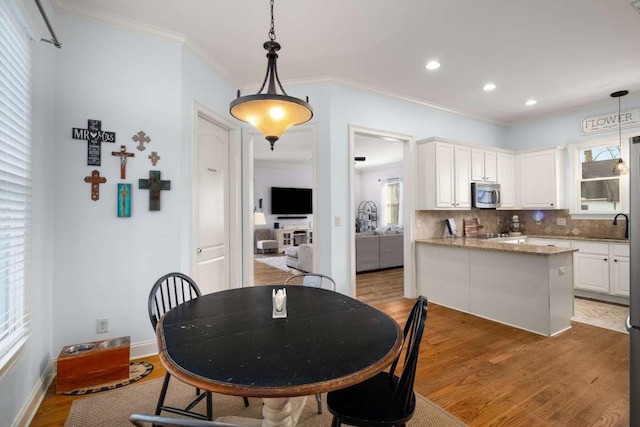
(386, 399)
(169, 291)
(314, 280)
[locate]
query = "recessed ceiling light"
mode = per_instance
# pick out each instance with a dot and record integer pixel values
(489, 86)
(433, 65)
(531, 102)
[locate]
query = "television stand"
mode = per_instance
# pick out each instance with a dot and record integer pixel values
(292, 217)
(292, 237)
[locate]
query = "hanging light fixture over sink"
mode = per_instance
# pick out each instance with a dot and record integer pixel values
(620, 168)
(272, 113)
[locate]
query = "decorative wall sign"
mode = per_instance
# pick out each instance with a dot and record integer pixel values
(95, 179)
(608, 122)
(154, 184)
(94, 135)
(123, 160)
(154, 158)
(124, 200)
(141, 138)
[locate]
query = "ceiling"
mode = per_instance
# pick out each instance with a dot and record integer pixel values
(564, 54)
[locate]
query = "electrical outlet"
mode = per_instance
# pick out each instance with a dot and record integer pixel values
(561, 221)
(102, 326)
(338, 221)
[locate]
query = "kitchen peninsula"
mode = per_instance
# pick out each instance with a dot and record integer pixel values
(526, 286)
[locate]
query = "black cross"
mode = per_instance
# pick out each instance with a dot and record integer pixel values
(94, 135)
(154, 184)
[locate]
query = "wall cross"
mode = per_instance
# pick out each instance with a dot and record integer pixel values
(123, 160)
(154, 184)
(95, 179)
(94, 135)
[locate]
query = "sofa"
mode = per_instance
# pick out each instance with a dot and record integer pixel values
(300, 257)
(378, 250)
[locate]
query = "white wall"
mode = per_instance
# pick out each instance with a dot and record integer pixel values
(564, 128)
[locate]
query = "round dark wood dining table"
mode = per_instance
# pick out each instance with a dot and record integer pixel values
(228, 342)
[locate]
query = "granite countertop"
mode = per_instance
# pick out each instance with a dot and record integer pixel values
(590, 239)
(496, 245)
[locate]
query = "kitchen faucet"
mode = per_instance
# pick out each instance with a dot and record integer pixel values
(626, 222)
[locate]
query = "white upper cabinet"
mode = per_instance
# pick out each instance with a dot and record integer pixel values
(506, 177)
(483, 165)
(541, 180)
(444, 172)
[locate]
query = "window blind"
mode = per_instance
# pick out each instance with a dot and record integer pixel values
(15, 181)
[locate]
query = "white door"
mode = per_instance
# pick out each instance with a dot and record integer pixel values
(212, 259)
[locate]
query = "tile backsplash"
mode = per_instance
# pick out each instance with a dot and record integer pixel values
(431, 224)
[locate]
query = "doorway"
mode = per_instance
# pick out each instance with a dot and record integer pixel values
(381, 171)
(290, 165)
(214, 142)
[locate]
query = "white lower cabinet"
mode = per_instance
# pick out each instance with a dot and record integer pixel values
(602, 268)
(619, 271)
(591, 267)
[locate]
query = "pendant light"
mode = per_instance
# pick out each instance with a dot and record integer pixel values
(270, 112)
(620, 167)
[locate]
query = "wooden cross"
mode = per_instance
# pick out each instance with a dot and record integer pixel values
(95, 179)
(141, 138)
(94, 135)
(154, 157)
(154, 184)
(123, 160)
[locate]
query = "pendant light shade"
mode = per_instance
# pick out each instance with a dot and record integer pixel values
(620, 168)
(272, 113)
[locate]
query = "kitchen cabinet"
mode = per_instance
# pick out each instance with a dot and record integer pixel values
(602, 268)
(591, 266)
(444, 176)
(541, 179)
(506, 177)
(484, 165)
(619, 269)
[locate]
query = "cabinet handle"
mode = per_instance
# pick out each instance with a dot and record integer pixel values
(615, 260)
(605, 259)
(551, 204)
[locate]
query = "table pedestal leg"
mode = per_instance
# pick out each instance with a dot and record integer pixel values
(282, 412)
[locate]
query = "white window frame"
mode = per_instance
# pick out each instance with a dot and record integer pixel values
(15, 181)
(575, 177)
(385, 205)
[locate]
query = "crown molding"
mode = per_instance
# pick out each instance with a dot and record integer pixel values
(64, 8)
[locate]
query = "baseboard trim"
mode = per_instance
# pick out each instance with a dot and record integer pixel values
(144, 349)
(37, 396)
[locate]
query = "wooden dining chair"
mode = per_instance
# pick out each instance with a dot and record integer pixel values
(169, 291)
(314, 280)
(386, 399)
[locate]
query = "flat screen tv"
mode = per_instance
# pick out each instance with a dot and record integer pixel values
(291, 201)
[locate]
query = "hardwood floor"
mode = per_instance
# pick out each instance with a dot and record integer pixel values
(485, 373)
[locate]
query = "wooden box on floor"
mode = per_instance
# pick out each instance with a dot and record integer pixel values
(93, 363)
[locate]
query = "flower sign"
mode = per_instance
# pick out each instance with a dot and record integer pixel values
(608, 122)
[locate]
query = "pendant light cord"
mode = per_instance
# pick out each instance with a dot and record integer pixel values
(619, 126)
(272, 31)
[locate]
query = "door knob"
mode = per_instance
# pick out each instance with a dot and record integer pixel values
(199, 250)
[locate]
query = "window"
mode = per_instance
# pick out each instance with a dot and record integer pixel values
(15, 180)
(598, 189)
(392, 197)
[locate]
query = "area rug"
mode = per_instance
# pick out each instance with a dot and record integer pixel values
(137, 371)
(600, 314)
(277, 262)
(112, 409)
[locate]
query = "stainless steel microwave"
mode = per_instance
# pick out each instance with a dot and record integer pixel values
(485, 196)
